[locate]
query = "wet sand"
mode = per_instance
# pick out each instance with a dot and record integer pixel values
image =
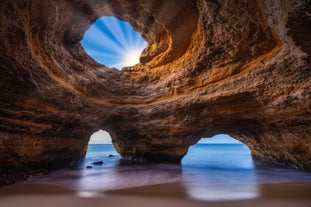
(169, 194)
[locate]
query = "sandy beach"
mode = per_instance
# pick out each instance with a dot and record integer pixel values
(170, 194)
(217, 182)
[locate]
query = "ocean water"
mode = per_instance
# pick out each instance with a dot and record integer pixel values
(208, 172)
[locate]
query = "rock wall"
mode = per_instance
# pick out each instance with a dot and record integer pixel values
(210, 67)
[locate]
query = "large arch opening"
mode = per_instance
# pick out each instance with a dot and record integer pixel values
(219, 168)
(113, 43)
(219, 152)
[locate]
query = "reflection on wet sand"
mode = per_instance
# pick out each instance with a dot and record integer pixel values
(217, 175)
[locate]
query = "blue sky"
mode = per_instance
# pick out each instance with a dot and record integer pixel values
(113, 42)
(100, 137)
(220, 138)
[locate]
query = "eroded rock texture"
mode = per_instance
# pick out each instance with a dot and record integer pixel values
(235, 67)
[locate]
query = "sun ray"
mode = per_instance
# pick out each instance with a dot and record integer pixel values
(113, 43)
(98, 38)
(115, 27)
(108, 28)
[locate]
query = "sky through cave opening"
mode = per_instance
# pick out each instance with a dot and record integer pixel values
(100, 147)
(215, 168)
(113, 43)
(100, 137)
(219, 152)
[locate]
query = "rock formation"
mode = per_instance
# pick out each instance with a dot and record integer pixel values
(225, 66)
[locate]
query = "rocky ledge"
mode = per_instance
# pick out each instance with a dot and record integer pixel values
(236, 67)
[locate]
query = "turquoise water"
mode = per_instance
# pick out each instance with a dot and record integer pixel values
(207, 172)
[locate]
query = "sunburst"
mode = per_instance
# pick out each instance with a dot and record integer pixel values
(113, 43)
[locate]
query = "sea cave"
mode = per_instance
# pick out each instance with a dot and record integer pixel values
(240, 68)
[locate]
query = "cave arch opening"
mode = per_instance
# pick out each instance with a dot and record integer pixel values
(100, 147)
(219, 152)
(113, 43)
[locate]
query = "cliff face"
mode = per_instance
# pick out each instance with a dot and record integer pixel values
(235, 67)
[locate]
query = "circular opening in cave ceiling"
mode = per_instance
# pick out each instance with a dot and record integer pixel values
(113, 43)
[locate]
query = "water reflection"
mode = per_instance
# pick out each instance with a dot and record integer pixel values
(118, 175)
(208, 172)
(217, 172)
(219, 185)
(89, 194)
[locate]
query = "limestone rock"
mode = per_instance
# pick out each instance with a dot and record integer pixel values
(235, 67)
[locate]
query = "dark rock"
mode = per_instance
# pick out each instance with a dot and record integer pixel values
(98, 163)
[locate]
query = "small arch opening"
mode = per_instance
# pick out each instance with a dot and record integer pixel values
(113, 43)
(100, 149)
